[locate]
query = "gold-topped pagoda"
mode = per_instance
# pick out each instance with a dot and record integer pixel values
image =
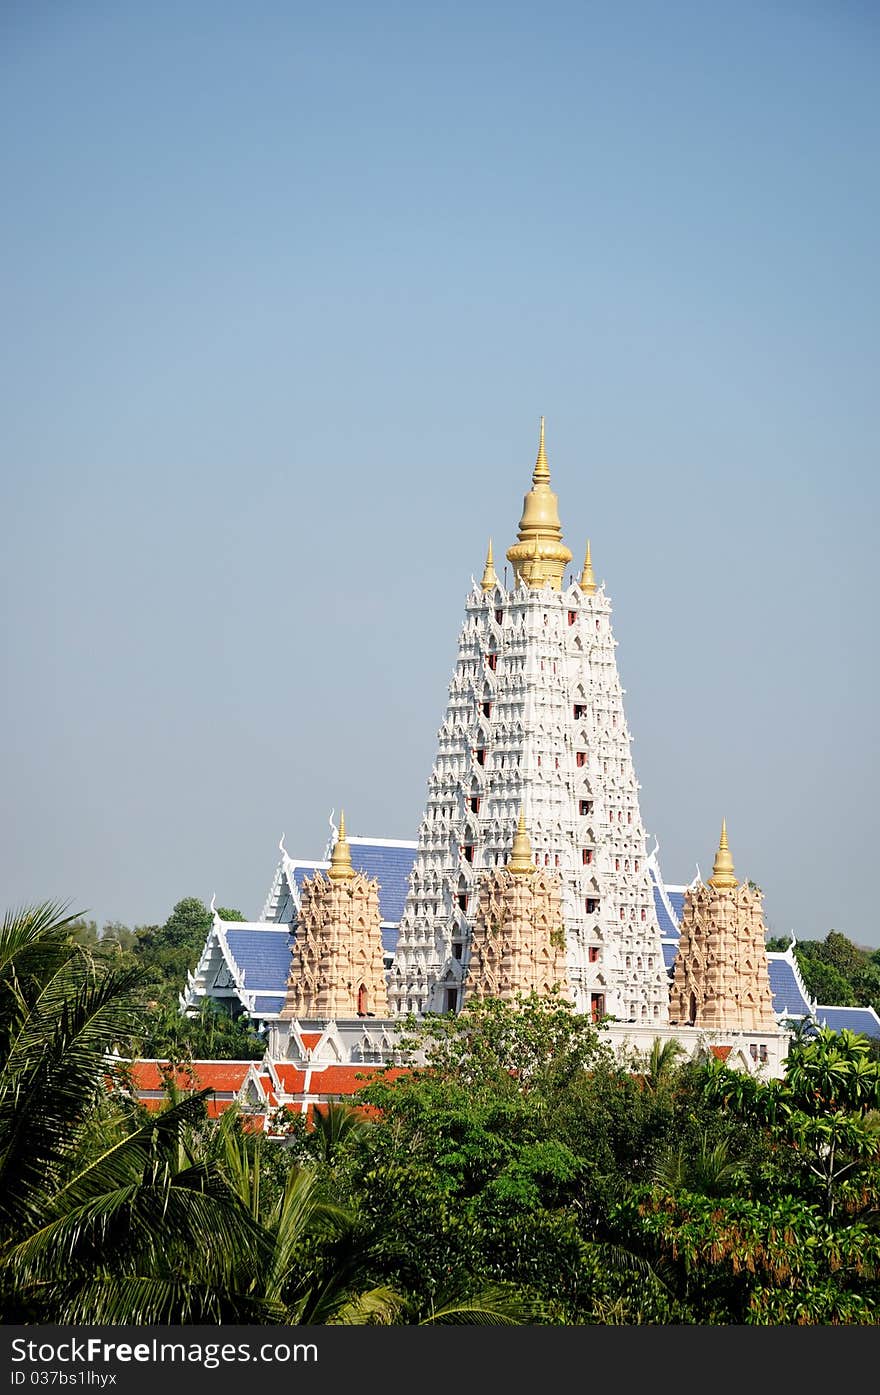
(720, 978)
(337, 967)
(518, 938)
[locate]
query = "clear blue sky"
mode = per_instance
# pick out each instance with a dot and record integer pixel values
(285, 291)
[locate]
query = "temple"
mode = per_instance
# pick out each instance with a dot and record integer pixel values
(535, 721)
(530, 872)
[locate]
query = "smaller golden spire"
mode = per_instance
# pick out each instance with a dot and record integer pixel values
(489, 577)
(542, 469)
(520, 862)
(588, 581)
(722, 873)
(340, 862)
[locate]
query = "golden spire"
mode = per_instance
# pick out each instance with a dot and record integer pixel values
(588, 581)
(520, 861)
(722, 873)
(540, 555)
(541, 473)
(340, 862)
(489, 577)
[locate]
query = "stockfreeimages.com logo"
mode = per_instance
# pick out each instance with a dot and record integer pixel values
(87, 1351)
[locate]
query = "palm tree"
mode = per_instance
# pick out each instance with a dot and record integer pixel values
(661, 1066)
(104, 1216)
(332, 1124)
(708, 1171)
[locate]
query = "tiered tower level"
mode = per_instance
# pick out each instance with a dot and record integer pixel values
(535, 722)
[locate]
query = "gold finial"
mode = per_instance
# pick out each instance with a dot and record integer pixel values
(722, 873)
(489, 577)
(541, 473)
(340, 862)
(540, 555)
(588, 581)
(520, 862)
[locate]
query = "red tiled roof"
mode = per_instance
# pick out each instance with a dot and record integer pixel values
(268, 1089)
(721, 1052)
(292, 1078)
(347, 1080)
(251, 1123)
(310, 1039)
(197, 1075)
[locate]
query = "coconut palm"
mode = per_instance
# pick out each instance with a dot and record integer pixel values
(661, 1066)
(104, 1216)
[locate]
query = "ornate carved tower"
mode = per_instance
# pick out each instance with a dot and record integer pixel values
(720, 980)
(518, 939)
(336, 969)
(535, 721)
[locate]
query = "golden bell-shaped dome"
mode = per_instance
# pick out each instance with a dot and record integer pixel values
(540, 555)
(520, 861)
(340, 860)
(722, 877)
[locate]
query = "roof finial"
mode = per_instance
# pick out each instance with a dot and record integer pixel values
(340, 861)
(490, 580)
(588, 581)
(541, 473)
(722, 877)
(520, 861)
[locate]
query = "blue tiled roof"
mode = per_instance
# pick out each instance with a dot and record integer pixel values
(863, 1020)
(787, 995)
(390, 935)
(391, 866)
(667, 926)
(263, 957)
(676, 900)
(669, 952)
(268, 1003)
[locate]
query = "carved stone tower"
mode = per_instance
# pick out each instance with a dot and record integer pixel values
(336, 968)
(535, 721)
(518, 939)
(720, 980)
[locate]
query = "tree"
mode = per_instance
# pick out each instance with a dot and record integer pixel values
(103, 1214)
(825, 983)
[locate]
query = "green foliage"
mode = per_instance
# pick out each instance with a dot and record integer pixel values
(825, 983)
(517, 1173)
(164, 954)
(211, 1034)
(836, 971)
(506, 1047)
(104, 1215)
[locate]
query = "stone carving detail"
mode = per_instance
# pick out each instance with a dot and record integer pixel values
(518, 940)
(720, 979)
(336, 968)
